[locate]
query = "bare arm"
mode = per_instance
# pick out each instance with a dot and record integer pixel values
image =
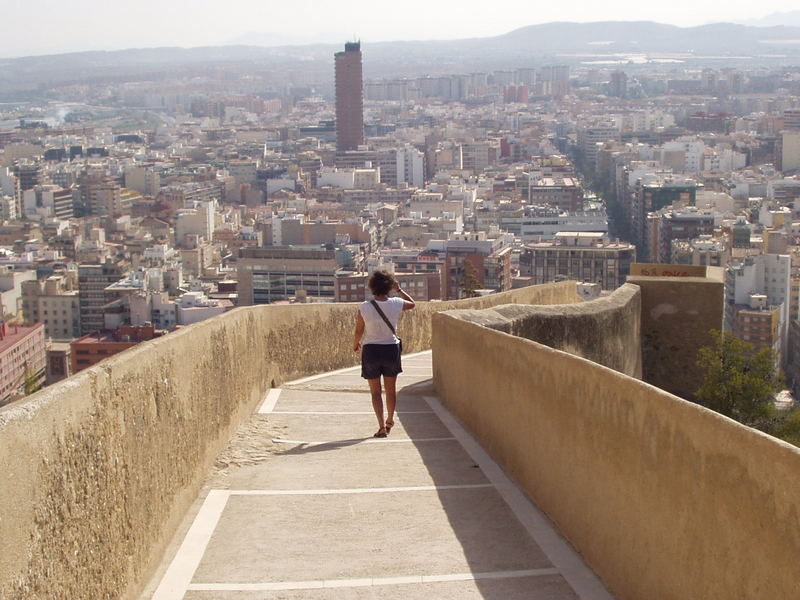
(359, 333)
(408, 301)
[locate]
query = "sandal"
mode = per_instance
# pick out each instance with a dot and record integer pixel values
(389, 425)
(381, 433)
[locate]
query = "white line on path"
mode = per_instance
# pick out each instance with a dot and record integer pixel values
(366, 441)
(345, 412)
(580, 577)
(269, 402)
(180, 572)
(364, 582)
(380, 490)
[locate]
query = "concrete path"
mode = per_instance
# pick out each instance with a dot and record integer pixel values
(305, 504)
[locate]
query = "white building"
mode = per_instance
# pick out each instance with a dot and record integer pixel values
(11, 289)
(410, 166)
(193, 307)
(542, 225)
(765, 274)
(145, 180)
(159, 253)
(8, 208)
(195, 221)
(693, 151)
(367, 178)
(9, 187)
(430, 204)
(790, 150)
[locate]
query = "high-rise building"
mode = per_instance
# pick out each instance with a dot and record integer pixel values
(349, 98)
(665, 226)
(92, 283)
(554, 80)
(790, 150)
(791, 118)
(29, 174)
(619, 84)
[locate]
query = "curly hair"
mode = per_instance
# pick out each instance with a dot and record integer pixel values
(381, 283)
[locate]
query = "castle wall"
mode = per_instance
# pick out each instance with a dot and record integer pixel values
(605, 330)
(98, 469)
(663, 498)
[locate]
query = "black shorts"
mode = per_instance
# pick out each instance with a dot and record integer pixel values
(380, 359)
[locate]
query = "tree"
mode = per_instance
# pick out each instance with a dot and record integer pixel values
(469, 283)
(740, 380)
(31, 380)
(787, 427)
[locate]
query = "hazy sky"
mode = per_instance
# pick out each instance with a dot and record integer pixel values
(54, 26)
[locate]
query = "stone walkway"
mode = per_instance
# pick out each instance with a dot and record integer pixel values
(305, 504)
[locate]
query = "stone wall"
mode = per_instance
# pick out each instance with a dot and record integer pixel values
(605, 330)
(678, 315)
(663, 498)
(98, 470)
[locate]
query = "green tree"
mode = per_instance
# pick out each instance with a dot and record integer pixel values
(31, 380)
(469, 283)
(740, 379)
(787, 427)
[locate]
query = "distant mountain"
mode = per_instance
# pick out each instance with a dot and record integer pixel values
(645, 36)
(789, 18)
(562, 42)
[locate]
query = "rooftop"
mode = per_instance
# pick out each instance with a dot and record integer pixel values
(10, 335)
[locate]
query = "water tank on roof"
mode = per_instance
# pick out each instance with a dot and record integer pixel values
(758, 301)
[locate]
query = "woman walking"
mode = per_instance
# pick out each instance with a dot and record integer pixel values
(376, 326)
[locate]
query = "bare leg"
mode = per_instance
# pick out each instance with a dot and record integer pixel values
(391, 397)
(377, 400)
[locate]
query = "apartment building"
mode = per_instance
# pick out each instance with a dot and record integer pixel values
(268, 275)
(757, 286)
(565, 193)
(582, 256)
(22, 359)
(352, 286)
(474, 254)
(92, 283)
(54, 302)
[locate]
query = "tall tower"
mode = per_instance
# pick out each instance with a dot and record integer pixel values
(619, 84)
(349, 98)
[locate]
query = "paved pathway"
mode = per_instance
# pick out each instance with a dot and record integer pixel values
(305, 504)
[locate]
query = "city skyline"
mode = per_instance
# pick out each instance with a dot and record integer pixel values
(98, 26)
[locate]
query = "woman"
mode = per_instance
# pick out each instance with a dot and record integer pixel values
(380, 354)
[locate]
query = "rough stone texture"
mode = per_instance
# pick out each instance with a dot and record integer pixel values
(415, 325)
(605, 330)
(663, 498)
(678, 315)
(97, 470)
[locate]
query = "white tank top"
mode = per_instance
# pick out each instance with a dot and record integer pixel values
(376, 330)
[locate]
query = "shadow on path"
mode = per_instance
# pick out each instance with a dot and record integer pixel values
(305, 448)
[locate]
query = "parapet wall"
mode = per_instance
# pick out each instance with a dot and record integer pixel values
(663, 498)
(98, 470)
(678, 314)
(605, 330)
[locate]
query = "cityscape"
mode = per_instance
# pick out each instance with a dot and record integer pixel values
(145, 191)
